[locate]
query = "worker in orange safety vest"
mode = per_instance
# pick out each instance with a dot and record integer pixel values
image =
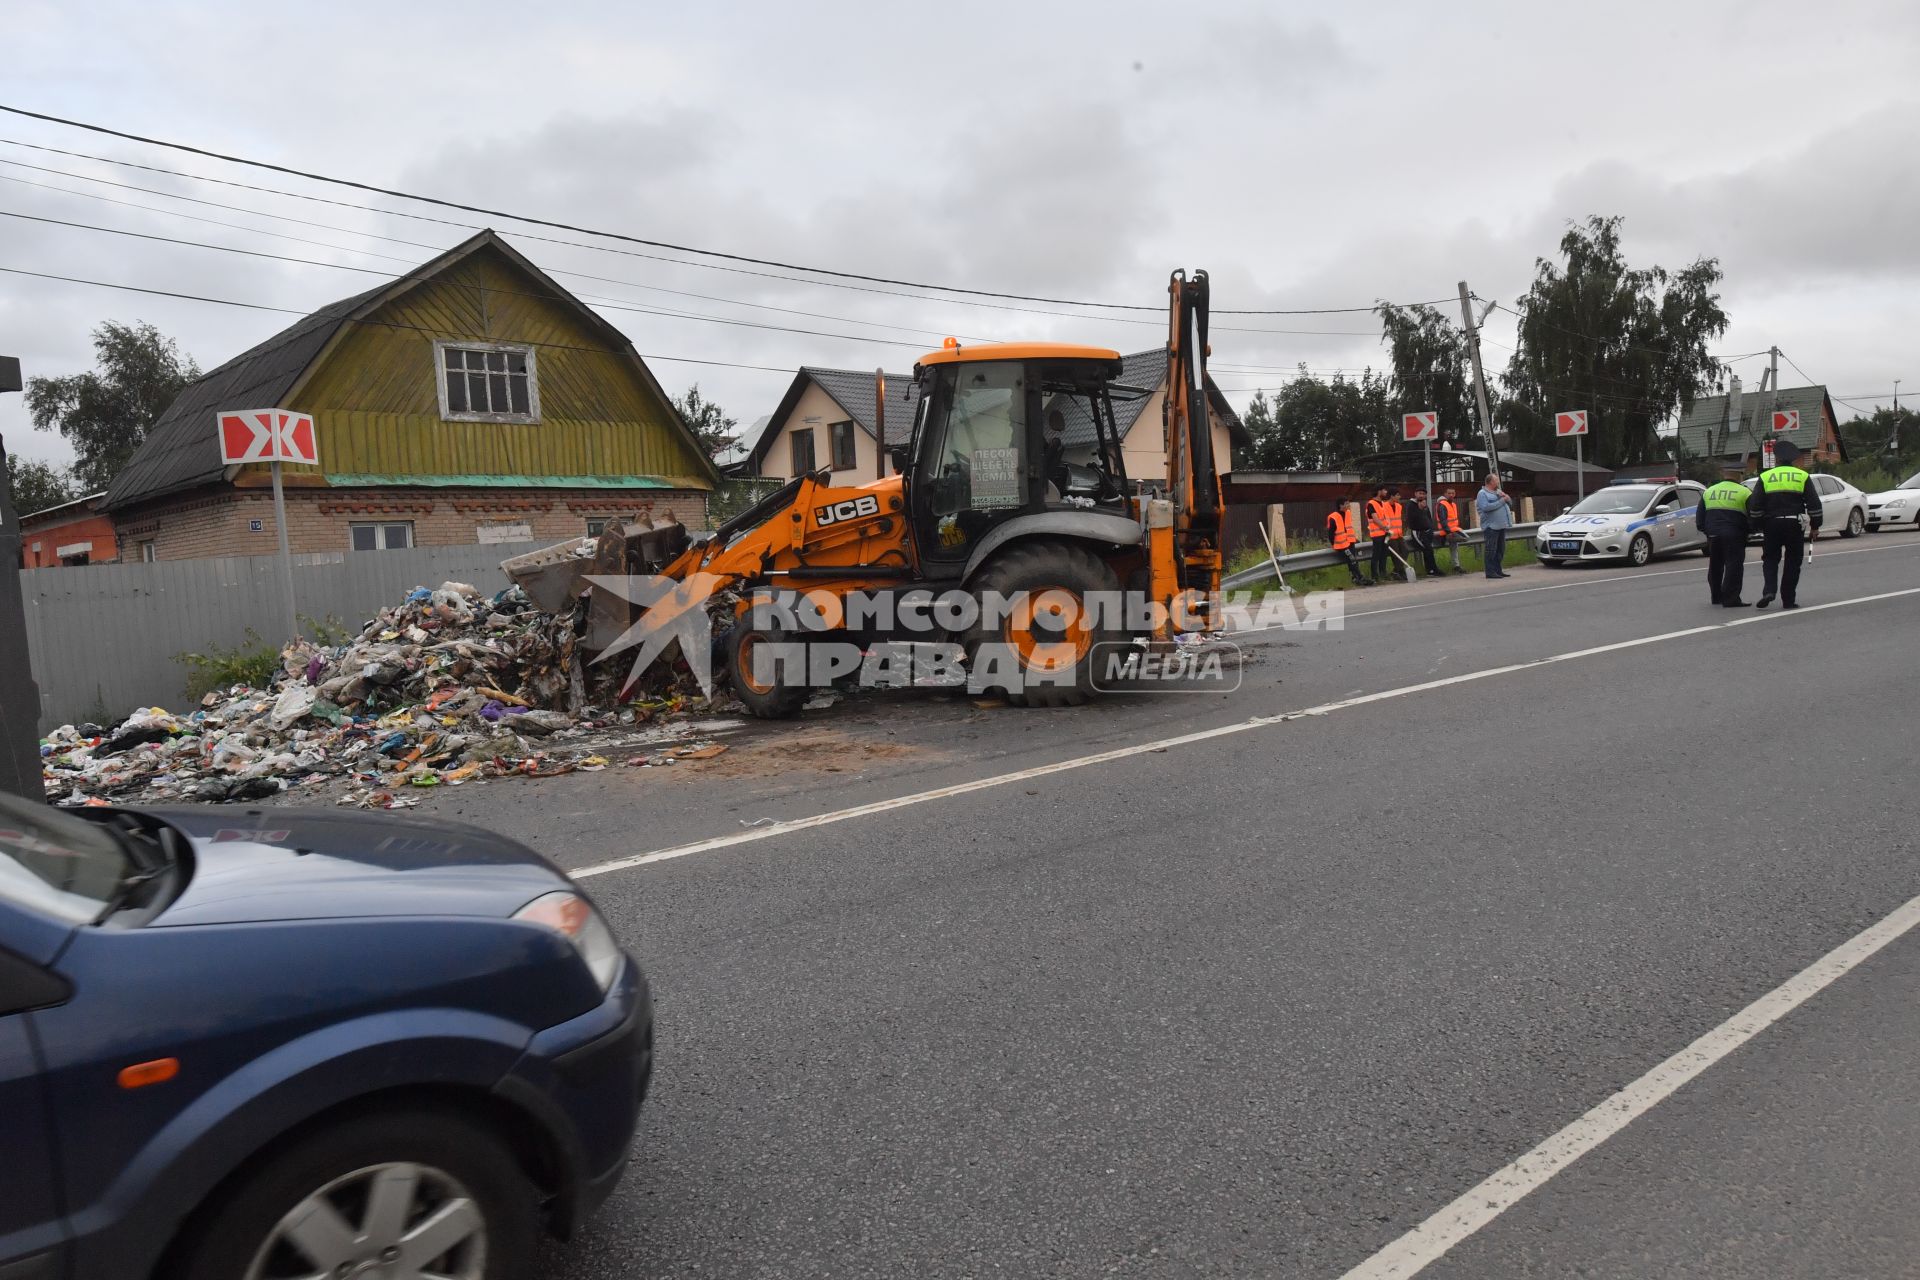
(1446, 524)
(1383, 525)
(1343, 539)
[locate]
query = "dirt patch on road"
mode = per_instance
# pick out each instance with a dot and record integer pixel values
(806, 750)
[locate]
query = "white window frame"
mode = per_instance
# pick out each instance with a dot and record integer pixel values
(380, 534)
(440, 348)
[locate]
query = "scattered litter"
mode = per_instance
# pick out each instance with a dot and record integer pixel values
(758, 822)
(448, 687)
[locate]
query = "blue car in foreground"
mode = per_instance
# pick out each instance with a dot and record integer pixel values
(273, 1043)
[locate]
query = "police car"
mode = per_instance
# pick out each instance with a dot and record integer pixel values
(1633, 522)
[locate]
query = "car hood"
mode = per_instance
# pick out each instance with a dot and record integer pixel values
(293, 864)
(1888, 494)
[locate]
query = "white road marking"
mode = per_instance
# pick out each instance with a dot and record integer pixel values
(1556, 586)
(1161, 744)
(1499, 1192)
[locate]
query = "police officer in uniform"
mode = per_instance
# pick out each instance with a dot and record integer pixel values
(1787, 506)
(1722, 516)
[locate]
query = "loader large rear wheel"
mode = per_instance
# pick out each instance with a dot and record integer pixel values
(1040, 634)
(769, 689)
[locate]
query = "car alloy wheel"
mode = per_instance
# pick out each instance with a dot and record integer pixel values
(1856, 523)
(1640, 550)
(382, 1222)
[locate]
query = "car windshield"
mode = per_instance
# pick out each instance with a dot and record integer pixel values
(1625, 500)
(56, 863)
(1912, 481)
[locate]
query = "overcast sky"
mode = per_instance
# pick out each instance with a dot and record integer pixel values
(1307, 156)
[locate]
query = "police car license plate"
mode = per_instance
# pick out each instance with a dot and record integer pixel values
(1564, 545)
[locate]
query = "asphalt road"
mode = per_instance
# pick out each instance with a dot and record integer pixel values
(1260, 1002)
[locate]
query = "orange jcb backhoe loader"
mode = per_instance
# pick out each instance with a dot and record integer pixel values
(984, 502)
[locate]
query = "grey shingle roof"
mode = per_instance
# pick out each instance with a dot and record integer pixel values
(1145, 370)
(1703, 432)
(183, 449)
(853, 391)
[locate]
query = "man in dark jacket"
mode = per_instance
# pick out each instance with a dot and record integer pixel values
(1722, 516)
(1420, 530)
(1787, 506)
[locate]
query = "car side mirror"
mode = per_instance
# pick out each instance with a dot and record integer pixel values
(1664, 508)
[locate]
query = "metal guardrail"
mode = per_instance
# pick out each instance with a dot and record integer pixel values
(1327, 556)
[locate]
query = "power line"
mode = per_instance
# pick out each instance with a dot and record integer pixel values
(341, 266)
(610, 235)
(383, 324)
(436, 249)
(571, 244)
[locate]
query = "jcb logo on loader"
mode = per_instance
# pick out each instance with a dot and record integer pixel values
(851, 509)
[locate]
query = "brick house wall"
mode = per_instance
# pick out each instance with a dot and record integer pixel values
(218, 522)
(40, 543)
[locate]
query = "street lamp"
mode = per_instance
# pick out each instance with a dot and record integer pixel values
(19, 696)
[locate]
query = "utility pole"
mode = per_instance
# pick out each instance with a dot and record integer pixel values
(1479, 377)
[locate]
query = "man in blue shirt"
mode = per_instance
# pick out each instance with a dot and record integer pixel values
(1496, 517)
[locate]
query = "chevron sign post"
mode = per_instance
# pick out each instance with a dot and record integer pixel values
(272, 436)
(1785, 420)
(1424, 427)
(1573, 422)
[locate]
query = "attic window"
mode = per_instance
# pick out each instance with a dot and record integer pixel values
(487, 382)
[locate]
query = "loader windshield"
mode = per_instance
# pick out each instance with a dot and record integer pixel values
(976, 435)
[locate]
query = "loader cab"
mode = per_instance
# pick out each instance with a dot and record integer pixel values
(997, 426)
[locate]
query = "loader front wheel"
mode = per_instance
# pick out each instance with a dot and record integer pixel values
(770, 689)
(1040, 633)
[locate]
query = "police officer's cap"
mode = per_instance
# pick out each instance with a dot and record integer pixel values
(1785, 451)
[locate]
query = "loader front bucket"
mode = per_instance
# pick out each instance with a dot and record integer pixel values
(555, 577)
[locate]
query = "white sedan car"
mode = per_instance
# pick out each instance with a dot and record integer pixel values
(1631, 522)
(1896, 507)
(1843, 508)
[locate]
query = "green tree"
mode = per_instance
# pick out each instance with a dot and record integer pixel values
(1883, 448)
(36, 485)
(105, 414)
(1314, 424)
(708, 420)
(1431, 369)
(1267, 452)
(1629, 345)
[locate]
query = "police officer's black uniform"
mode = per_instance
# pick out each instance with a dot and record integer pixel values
(1722, 516)
(1784, 495)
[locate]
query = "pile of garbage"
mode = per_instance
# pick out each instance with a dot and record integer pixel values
(449, 686)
